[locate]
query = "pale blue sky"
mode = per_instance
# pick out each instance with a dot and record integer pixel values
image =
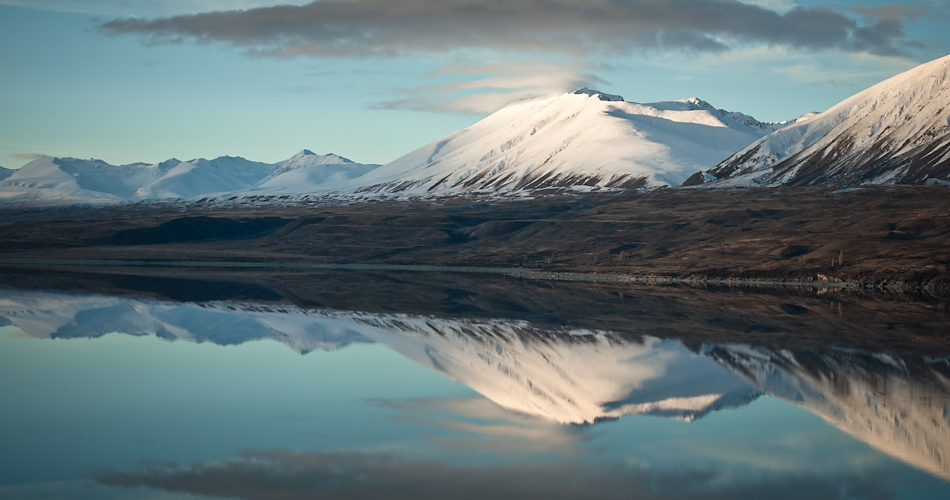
(393, 75)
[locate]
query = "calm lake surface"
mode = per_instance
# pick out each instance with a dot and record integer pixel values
(117, 397)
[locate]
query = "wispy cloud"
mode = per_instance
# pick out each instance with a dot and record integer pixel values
(832, 83)
(144, 7)
(782, 6)
(27, 156)
(468, 87)
(353, 72)
(484, 425)
(299, 89)
(387, 28)
(846, 70)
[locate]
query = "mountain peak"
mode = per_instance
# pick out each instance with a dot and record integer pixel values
(311, 157)
(697, 103)
(598, 94)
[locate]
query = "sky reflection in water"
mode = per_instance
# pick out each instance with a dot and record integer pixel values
(418, 407)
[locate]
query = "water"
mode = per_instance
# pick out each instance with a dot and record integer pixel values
(110, 396)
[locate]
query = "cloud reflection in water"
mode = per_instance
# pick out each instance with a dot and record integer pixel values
(535, 378)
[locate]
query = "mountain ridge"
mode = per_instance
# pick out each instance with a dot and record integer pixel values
(65, 180)
(895, 132)
(578, 141)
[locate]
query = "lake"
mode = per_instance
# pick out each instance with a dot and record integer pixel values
(407, 387)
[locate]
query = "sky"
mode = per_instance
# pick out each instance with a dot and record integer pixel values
(147, 80)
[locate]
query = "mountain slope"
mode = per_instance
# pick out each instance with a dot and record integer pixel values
(584, 138)
(75, 180)
(896, 132)
(5, 172)
(200, 177)
(306, 170)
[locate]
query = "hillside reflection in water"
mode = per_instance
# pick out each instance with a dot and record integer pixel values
(502, 408)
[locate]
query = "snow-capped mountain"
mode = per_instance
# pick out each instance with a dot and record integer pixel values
(200, 177)
(306, 171)
(577, 140)
(5, 172)
(71, 180)
(306, 159)
(896, 132)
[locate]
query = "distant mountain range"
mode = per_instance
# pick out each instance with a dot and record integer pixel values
(897, 132)
(71, 180)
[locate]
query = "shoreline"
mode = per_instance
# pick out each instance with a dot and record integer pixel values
(531, 273)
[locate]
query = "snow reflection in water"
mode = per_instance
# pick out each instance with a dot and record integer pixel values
(900, 406)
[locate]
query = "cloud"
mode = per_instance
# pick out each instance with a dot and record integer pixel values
(467, 87)
(387, 28)
(832, 83)
(348, 474)
(889, 13)
(477, 423)
(782, 6)
(27, 156)
(143, 7)
(299, 89)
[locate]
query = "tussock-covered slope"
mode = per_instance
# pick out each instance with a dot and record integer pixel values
(896, 132)
(576, 140)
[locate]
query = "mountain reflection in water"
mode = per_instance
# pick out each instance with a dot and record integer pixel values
(898, 405)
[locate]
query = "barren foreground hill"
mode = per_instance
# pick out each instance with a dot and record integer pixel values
(873, 234)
